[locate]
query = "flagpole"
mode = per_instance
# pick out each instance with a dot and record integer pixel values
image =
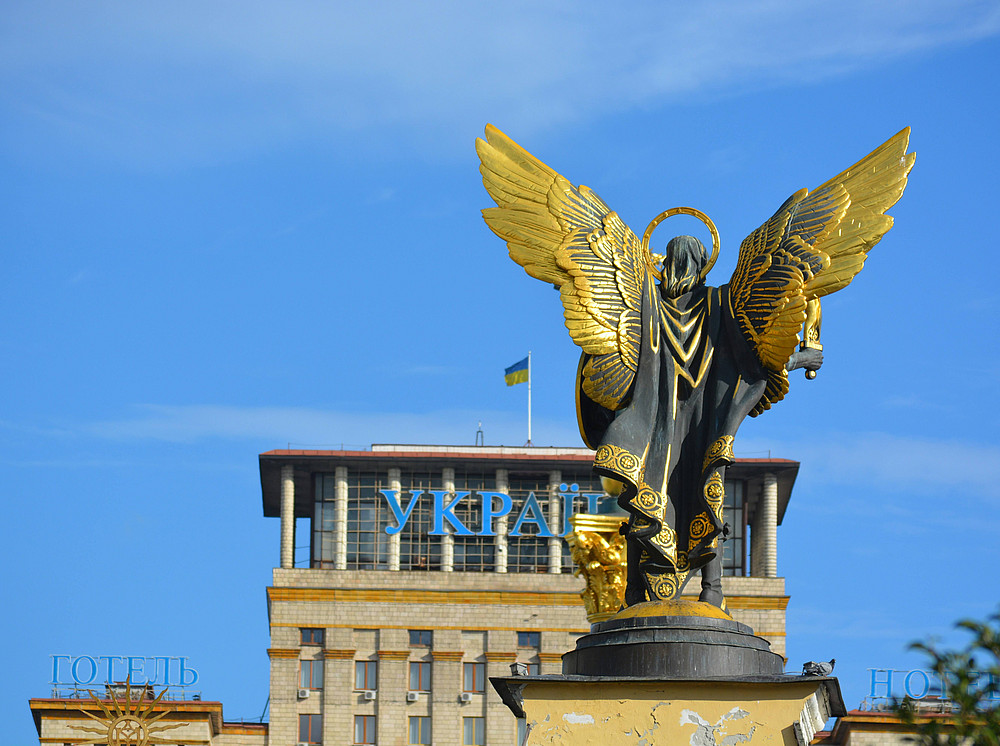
(529, 397)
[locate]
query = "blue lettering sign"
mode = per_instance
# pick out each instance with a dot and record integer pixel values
(74, 669)
(110, 666)
(135, 674)
(489, 513)
(401, 516)
(184, 670)
(166, 669)
(87, 669)
(444, 513)
(875, 682)
(906, 685)
(569, 493)
(531, 513)
(55, 667)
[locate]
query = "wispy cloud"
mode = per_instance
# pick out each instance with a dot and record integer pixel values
(870, 461)
(189, 80)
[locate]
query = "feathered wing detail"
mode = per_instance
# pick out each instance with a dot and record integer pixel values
(566, 235)
(814, 245)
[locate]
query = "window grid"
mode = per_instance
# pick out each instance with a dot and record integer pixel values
(474, 677)
(364, 729)
(417, 549)
(474, 731)
(311, 636)
(311, 729)
(528, 552)
(365, 675)
(420, 676)
(529, 639)
(733, 513)
(473, 553)
(420, 730)
(421, 638)
(368, 516)
(311, 674)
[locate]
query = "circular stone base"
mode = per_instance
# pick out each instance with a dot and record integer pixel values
(637, 643)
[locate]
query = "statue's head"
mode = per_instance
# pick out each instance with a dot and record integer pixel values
(683, 261)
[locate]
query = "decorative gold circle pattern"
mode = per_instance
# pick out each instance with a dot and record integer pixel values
(701, 526)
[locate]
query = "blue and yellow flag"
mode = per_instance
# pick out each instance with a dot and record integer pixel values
(517, 373)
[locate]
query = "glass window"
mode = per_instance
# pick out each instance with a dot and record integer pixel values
(474, 677)
(311, 674)
(534, 669)
(420, 676)
(364, 729)
(474, 731)
(734, 546)
(311, 729)
(421, 638)
(420, 730)
(365, 675)
(528, 639)
(418, 550)
(311, 636)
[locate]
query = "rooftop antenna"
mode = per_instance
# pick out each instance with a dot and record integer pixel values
(480, 438)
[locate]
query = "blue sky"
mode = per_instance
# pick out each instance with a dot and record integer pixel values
(234, 227)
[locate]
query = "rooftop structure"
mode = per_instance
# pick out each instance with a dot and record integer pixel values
(432, 568)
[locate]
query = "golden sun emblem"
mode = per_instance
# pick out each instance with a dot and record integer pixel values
(126, 722)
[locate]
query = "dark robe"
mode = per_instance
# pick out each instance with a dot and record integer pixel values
(697, 379)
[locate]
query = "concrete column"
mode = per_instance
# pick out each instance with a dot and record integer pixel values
(338, 700)
(394, 484)
(340, 519)
(446, 683)
(391, 708)
(500, 540)
(448, 541)
(555, 503)
(769, 526)
(287, 517)
(501, 728)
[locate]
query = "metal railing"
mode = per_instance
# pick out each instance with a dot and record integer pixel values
(143, 692)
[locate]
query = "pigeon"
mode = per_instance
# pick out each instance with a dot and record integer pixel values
(812, 668)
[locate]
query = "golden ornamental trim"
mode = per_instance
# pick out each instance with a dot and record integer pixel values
(339, 655)
(447, 655)
(496, 656)
(394, 655)
(283, 653)
(721, 451)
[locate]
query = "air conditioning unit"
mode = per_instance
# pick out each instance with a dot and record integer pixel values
(412, 696)
(303, 694)
(369, 696)
(465, 697)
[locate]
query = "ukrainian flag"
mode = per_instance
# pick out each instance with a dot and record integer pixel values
(517, 373)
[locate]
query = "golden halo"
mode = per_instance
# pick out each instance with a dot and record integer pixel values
(693, 213)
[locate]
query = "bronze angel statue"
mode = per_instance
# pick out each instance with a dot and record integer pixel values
(670, 366)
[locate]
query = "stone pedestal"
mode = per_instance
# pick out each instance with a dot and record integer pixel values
(679, 639)
(681, 672)
(607, 711)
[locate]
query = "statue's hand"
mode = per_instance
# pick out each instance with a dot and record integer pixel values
(809, 359)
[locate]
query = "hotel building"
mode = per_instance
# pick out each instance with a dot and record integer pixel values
(433, 568)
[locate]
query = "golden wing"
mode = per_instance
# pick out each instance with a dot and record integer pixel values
(566, 235)
(814, 245)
